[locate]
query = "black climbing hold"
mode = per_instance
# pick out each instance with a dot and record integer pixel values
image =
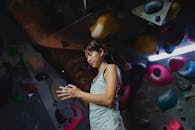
(157, 18)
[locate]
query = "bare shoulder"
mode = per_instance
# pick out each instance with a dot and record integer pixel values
(111, 73)
(112, 68)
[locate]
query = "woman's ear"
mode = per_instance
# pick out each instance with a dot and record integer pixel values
(101, 52)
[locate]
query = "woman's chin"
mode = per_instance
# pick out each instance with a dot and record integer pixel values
(94, 66)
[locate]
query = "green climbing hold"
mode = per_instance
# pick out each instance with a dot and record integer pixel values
(11, 51)
(181, 93)
(18, 98)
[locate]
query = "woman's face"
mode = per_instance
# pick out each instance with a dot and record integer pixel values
(94, 58)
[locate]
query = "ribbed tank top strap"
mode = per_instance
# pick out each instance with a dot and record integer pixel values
(103, 71)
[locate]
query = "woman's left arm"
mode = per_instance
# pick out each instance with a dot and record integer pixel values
(107, 99)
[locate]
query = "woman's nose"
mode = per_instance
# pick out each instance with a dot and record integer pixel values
(88, 60)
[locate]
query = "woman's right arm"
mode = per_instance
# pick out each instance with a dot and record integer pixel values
(105, 99)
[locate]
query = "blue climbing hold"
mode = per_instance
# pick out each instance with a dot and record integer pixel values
(167, 100)
(188, 71)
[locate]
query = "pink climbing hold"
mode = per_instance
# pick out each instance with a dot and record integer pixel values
(158, 75)
(175, 125)
(74, 121)
(124, 96)
(176, 63)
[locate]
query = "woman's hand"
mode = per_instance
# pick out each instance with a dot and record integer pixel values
(69, 91)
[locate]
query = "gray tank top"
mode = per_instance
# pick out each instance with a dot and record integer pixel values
(104, 118)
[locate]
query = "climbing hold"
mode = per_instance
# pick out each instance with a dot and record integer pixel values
(29, 87)
(167, 100)
(158, 75)
(18, 98)
(181, 93)
(157, 18)
(146, 43)
(173, 11)
(176, 63)
(153, 6)
(175, 125)
(74, 121)
(11, 51)
(169, 49)
(124, 94)
(188, 71)
(105, 25)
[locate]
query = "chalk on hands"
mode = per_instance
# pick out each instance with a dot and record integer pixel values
(61, 89)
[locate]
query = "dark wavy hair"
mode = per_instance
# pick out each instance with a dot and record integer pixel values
(96, 46)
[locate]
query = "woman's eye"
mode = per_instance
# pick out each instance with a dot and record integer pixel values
(89, 54)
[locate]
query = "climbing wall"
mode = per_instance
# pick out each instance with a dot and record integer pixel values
(26, 79)
(150, 116)
(161, 106)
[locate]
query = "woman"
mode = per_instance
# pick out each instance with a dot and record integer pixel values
(103, 102)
